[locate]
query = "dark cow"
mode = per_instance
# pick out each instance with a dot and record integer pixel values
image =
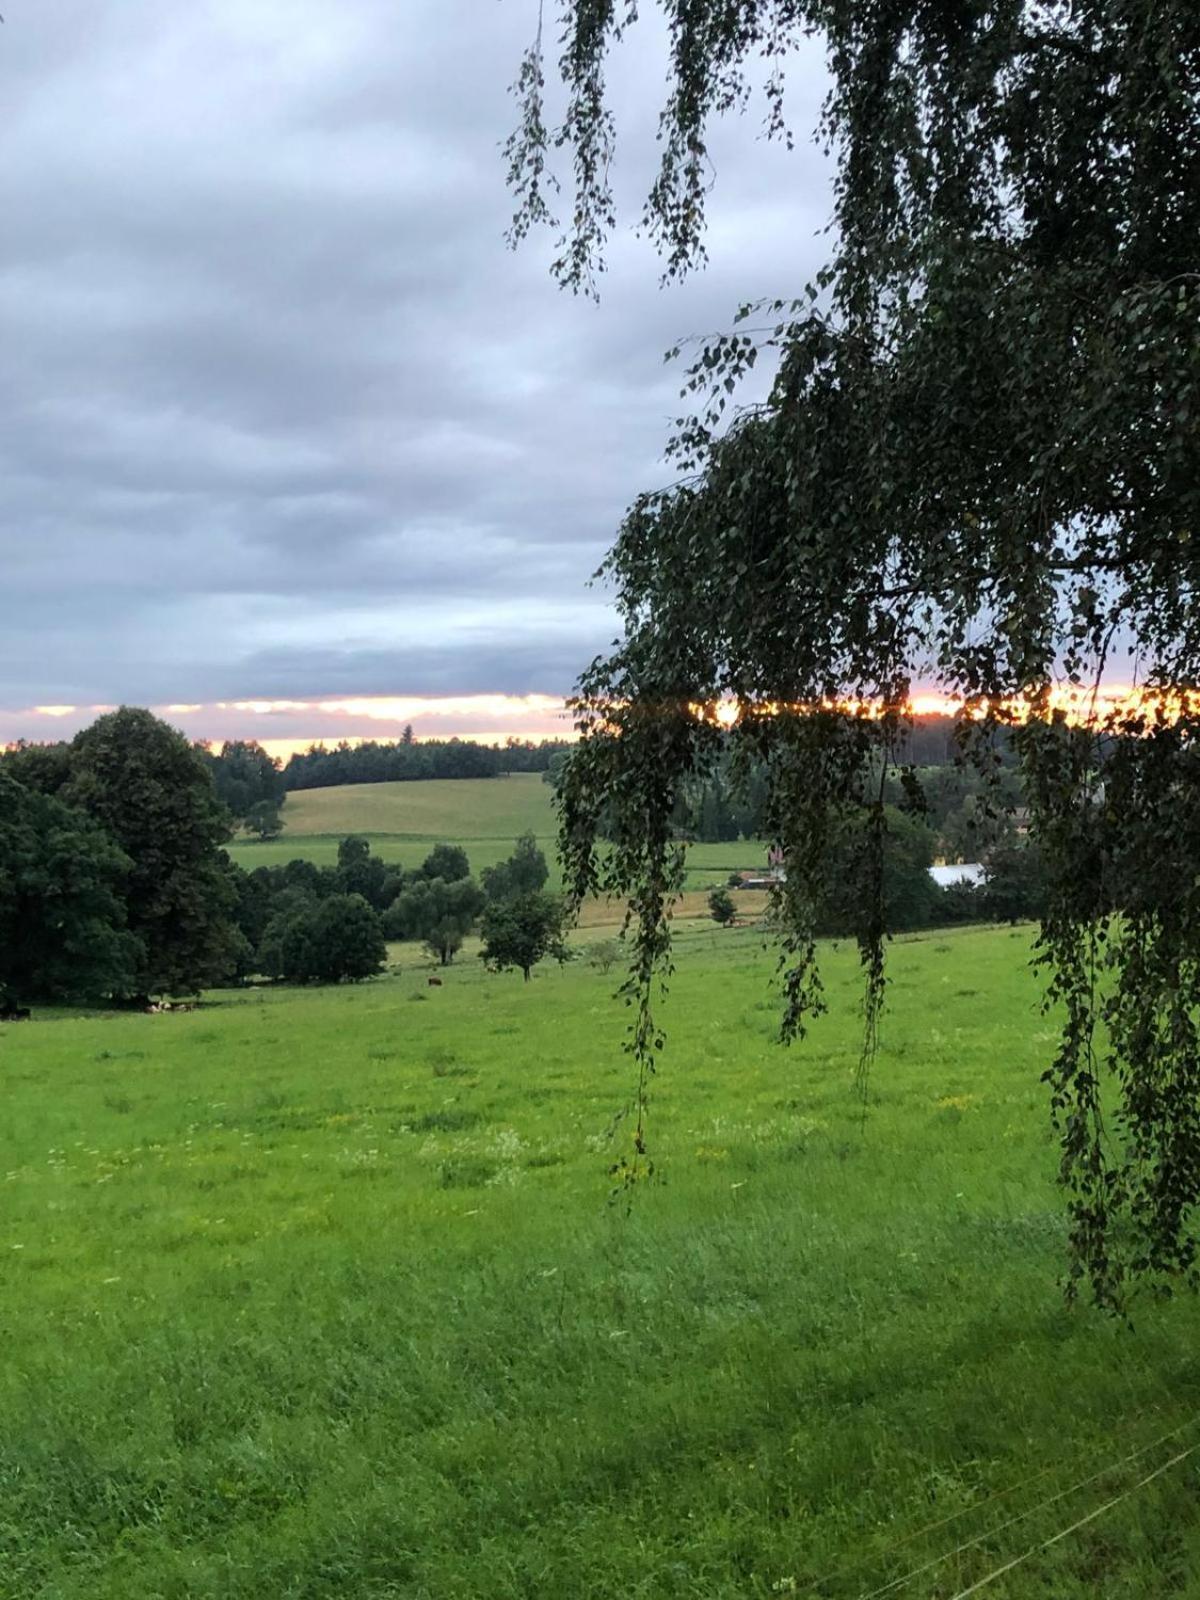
(434, 983)
(14, 1013)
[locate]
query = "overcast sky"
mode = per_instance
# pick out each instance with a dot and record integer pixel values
(281, 418)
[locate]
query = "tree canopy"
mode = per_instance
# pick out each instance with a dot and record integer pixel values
(524, 929)
(153, 793)
(439, 912)
(977, 466)
(334, 940)
(246, 778)
(62, 920)
(524, 872)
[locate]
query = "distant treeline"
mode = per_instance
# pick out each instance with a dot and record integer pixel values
(322, 767)
(965, 812)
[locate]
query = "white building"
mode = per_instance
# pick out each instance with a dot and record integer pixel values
(965, 872)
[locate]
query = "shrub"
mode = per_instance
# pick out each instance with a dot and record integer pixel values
(604, 956)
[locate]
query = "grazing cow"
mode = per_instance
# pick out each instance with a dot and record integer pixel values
(14, 1014)
(434, 983)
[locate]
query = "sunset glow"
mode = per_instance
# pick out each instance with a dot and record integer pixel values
(285, 727)
(1079, 704)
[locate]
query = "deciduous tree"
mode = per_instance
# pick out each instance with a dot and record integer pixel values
(153, 793)
(525, 872)
(523, 930)
(438, 913)
(263, 819)
(333, 940)
(978, 461)
(446, 861)
(62, 914)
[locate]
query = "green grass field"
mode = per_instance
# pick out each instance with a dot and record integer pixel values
(485, 815)
(462, 808)
(321, 1293)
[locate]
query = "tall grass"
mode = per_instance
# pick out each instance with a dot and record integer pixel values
(316, 1294)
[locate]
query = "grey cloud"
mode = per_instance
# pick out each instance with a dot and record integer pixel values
(271, 376)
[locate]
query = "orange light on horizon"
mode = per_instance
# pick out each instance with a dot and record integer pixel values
(495, 718)
(1079, 703)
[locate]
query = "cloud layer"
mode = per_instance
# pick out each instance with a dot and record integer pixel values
(280, 417)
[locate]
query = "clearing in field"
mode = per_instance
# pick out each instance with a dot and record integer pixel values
(323, 1294)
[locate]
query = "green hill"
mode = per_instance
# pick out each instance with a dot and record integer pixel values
(404, 820)
(437, 808)
(484, 815)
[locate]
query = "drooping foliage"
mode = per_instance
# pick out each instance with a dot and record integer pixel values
(978, 464)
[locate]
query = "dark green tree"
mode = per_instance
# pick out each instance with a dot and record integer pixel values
(44, 768)
(62, 913)
(245, 776)
(978, 456)
(334, 940)
(263, 819)
(439, 914)
(306, 875)
(1015, 889)
(894, 884)
(153, 794)
(446, 861)
(721, 907)
(555, 769)
(360, 872)
(961, 903)
(525, 872)
(523, 930)
(255, 896)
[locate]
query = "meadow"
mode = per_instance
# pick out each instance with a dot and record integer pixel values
(405, 820)
(326, 1293)
(485, 815)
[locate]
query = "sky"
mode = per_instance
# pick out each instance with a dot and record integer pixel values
(288, 437)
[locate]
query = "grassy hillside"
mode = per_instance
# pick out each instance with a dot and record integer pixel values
(484, 815)
(405, 820)
(439, 808)
(321, 1294)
